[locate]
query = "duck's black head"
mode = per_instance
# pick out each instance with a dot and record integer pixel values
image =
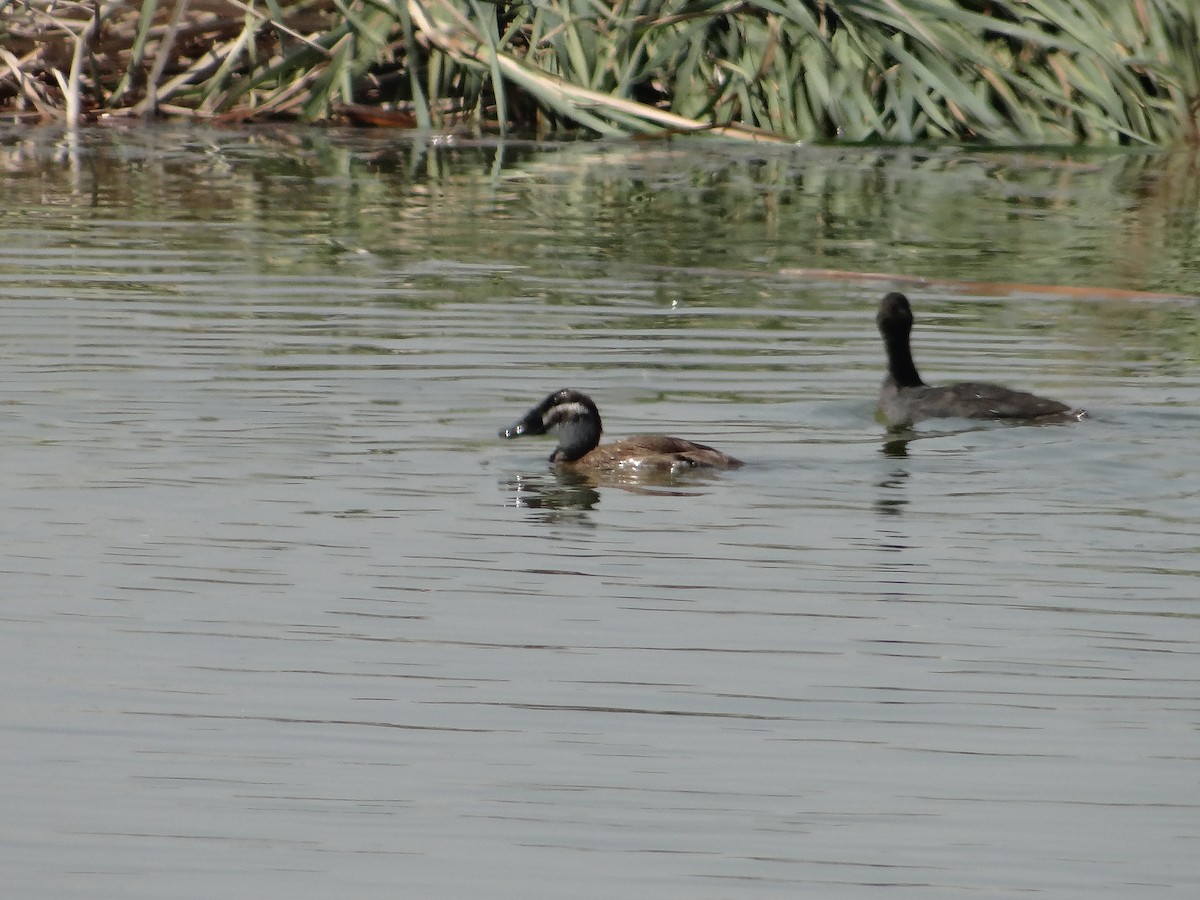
(895, 318)
(895, 321)
(568, 413)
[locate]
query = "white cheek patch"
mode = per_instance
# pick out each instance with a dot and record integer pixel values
(564, 412)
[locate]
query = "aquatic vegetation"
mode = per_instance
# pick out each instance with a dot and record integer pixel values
(996, 71)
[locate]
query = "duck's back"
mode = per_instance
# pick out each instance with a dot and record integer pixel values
(966, 400)
(655, 452)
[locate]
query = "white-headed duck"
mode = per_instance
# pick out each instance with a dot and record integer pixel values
(574, 418)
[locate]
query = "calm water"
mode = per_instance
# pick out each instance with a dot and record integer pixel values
(283, 617)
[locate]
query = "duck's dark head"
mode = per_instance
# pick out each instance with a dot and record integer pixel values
(895, 321)
(895, 316)
(569, 414)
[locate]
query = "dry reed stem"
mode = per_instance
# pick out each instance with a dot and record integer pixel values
(149, 104)
(1055, 71)
(27, 85)
(477, 50)
(280, 27)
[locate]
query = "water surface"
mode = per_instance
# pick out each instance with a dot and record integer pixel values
(283, 616)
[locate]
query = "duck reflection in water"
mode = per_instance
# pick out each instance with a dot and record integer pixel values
(892, 499)
(554, 493)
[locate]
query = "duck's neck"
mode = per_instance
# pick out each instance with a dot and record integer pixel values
(901, 367)
(576, 438)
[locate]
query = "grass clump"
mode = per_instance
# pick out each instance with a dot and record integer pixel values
(997, 71)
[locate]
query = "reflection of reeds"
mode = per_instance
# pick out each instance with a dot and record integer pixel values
(1050, 71)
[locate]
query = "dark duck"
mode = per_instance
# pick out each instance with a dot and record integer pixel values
(574, 418)
(905, 399)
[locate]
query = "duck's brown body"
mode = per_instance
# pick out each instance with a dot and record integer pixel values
(576, 420)
(652, 452)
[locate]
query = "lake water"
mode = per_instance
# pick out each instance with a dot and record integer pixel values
(283, 616)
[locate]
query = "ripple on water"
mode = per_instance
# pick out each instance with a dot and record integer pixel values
(281, 610)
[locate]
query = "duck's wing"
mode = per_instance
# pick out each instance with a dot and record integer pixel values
(994, 401)
(968, 400)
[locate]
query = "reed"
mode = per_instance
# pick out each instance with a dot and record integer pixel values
(1015, 72)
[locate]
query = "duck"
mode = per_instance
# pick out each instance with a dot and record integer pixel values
(575, 419)
(905, 399)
